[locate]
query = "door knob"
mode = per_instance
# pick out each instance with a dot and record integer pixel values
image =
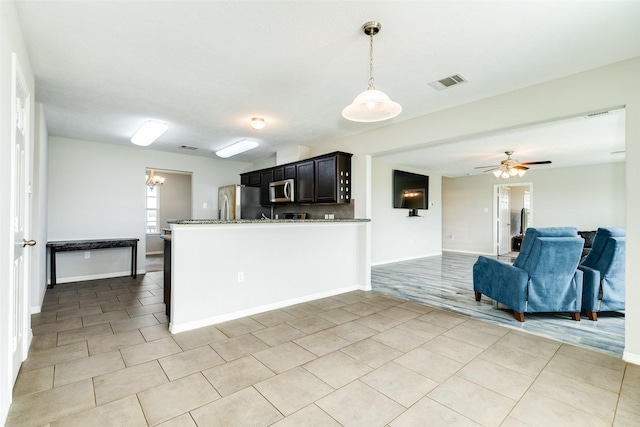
(26, 242)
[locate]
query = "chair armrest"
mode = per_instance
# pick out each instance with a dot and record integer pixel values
(590, 287)
(501, 282)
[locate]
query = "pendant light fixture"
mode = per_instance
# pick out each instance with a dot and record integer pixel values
(371, 105)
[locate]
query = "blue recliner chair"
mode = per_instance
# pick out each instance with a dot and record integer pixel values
(543, 278)
(603, 270)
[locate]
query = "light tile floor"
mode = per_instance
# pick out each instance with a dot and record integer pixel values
(102, 356)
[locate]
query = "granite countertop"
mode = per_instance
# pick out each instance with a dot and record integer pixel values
(263, 221)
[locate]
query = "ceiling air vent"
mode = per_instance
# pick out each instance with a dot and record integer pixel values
(448, 82)
(597, 114)
(186, 147)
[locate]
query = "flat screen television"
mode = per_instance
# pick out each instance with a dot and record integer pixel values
(410, 191)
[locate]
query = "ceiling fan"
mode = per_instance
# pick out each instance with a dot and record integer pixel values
(510, 167)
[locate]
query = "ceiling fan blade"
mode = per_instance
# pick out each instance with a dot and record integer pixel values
(524, 168)
(492, 169)
(545, 162)
(482, 167)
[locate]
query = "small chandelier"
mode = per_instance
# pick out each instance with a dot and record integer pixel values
(371, 105)
(154, 180)
(506, 171)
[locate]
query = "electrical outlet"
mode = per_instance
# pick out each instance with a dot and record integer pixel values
(204, 205)
(87, 255)
(240, 276)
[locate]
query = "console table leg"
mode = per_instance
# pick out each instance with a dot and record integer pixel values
(134, 260)
(53, 268)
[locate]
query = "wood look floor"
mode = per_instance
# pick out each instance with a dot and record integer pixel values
(102, 355)
(446, 282)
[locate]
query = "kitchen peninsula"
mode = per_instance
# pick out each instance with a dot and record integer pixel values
(223, 270)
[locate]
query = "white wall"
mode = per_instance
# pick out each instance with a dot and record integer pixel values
(11, 41)
(97, 191)
(395, 236)
(206, 260)
(586, 197)
(38, 273)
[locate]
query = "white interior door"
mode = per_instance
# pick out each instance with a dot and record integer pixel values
(503, 225)
(20, 215)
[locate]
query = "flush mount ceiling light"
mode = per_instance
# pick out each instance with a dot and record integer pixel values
(257, 123)
(371, 105)
(237, 148)
(149, 132)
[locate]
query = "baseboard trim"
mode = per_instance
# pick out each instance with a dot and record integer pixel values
(631, 357)
(457, 251)
(111, 275)
(261, 309)
(373, 264)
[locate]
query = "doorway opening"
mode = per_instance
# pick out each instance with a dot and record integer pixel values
(166, 201)
(513, 213)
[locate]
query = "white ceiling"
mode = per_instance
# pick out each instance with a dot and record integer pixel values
(206, 67)
(583, 140)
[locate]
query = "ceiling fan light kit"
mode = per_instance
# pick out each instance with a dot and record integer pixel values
(510, 167)
(372, 105)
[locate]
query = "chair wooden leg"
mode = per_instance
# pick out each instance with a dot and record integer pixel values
(592, 315)
(575, 316)
(519, 316)
(478, 296)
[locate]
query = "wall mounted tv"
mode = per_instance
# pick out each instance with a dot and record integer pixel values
(410, 191)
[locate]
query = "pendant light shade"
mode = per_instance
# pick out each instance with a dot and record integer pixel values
(372, 105)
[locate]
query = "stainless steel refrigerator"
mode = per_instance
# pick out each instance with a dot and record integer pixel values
(240, 202)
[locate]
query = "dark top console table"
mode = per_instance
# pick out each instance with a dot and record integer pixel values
(84, 245)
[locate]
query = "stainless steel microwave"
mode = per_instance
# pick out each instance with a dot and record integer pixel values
(282, 191)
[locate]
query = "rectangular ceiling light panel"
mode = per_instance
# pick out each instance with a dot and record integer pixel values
(237, 148)
(149, 132)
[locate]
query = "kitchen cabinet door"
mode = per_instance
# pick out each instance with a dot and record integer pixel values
(281, 173)
(250, 179)
(333, 179)
(278, 173)
(266, 177)
(326, 180)
(305, 182)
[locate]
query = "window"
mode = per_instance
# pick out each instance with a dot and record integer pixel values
(153, 209)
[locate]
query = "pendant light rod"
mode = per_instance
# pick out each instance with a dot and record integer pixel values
(371, 28)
